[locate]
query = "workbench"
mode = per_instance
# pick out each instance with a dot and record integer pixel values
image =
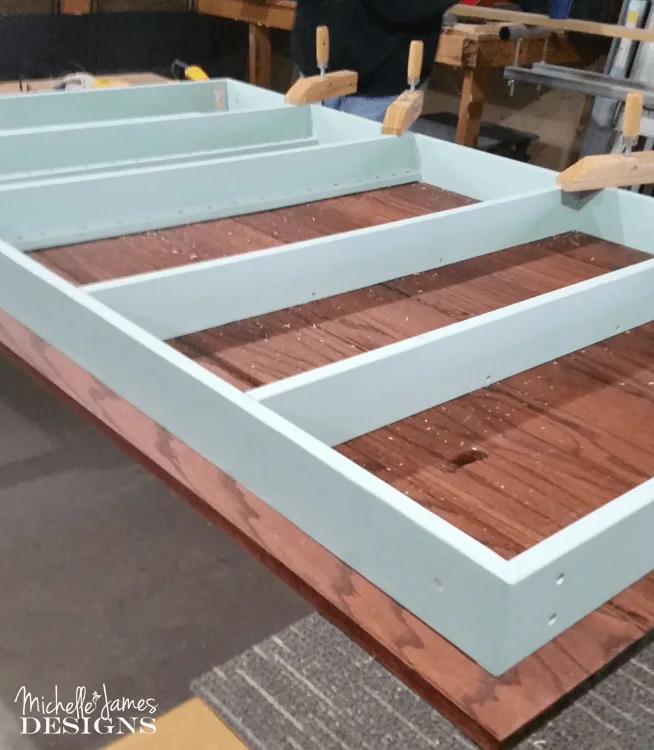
(475, 49)
(413, 379)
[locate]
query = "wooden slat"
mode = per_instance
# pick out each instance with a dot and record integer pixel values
(569, 24)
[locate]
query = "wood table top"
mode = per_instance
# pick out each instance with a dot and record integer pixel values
(509, 464)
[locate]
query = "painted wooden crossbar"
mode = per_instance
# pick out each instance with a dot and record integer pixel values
(178, 301)
(622, 217)
(477, 174)
(273, 458)
(339, 402)
(178, 138)
(47, 213)
(275, 440)
(57, 108)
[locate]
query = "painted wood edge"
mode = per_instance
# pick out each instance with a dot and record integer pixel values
(37, 101)
(339, 402)
(180, 158)
(245, 95)
(48, 153)
(178, 301)
(58, 109)
(289, 561)
(477, 174)
(557, 582)
(49, 213)
(619, 216)
(274, 460)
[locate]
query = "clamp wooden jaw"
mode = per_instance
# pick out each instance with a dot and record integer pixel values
(613, 170)
(326, 85)
(407, 108)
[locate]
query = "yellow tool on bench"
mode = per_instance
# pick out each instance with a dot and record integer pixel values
(85, 81)
(190, 72)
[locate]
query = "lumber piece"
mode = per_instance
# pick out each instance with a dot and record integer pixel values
(568, 24)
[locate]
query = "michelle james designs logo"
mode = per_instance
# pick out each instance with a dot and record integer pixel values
(86, 712)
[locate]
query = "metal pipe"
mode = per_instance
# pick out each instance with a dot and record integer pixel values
(580, 81)
(511, 33)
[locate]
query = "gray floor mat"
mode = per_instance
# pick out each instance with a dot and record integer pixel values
(311, 687)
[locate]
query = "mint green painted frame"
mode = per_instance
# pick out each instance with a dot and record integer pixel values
(496, 611)
(49, 109)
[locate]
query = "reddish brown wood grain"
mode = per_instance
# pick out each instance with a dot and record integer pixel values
(489, 710)
(552, 444)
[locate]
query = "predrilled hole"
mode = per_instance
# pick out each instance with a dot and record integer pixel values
(438, 585)
(560, 579)
(488, 377)
(617, 329)
(553, 618)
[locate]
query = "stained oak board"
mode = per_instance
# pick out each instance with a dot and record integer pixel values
(510, 464)
(491, 711)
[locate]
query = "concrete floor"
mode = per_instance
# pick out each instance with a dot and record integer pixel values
(106, 576)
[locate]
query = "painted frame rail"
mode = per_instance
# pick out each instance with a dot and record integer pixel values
(496, 611)
(91, 147)
(56, 109)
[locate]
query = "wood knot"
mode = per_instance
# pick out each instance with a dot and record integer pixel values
(466, 458)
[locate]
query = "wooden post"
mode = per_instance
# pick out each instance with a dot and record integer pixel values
(75, 7)
(260, 44)
(471, 109)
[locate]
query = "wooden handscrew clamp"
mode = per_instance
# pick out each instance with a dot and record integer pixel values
(407, 108)
(614, 170)
(326, 85)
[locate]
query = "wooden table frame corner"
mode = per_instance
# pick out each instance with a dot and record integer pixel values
(277, 441)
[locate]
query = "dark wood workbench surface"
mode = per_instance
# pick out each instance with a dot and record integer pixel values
(510, 464)
(579, 417)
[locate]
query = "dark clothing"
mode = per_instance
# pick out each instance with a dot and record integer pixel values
(371, 37)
